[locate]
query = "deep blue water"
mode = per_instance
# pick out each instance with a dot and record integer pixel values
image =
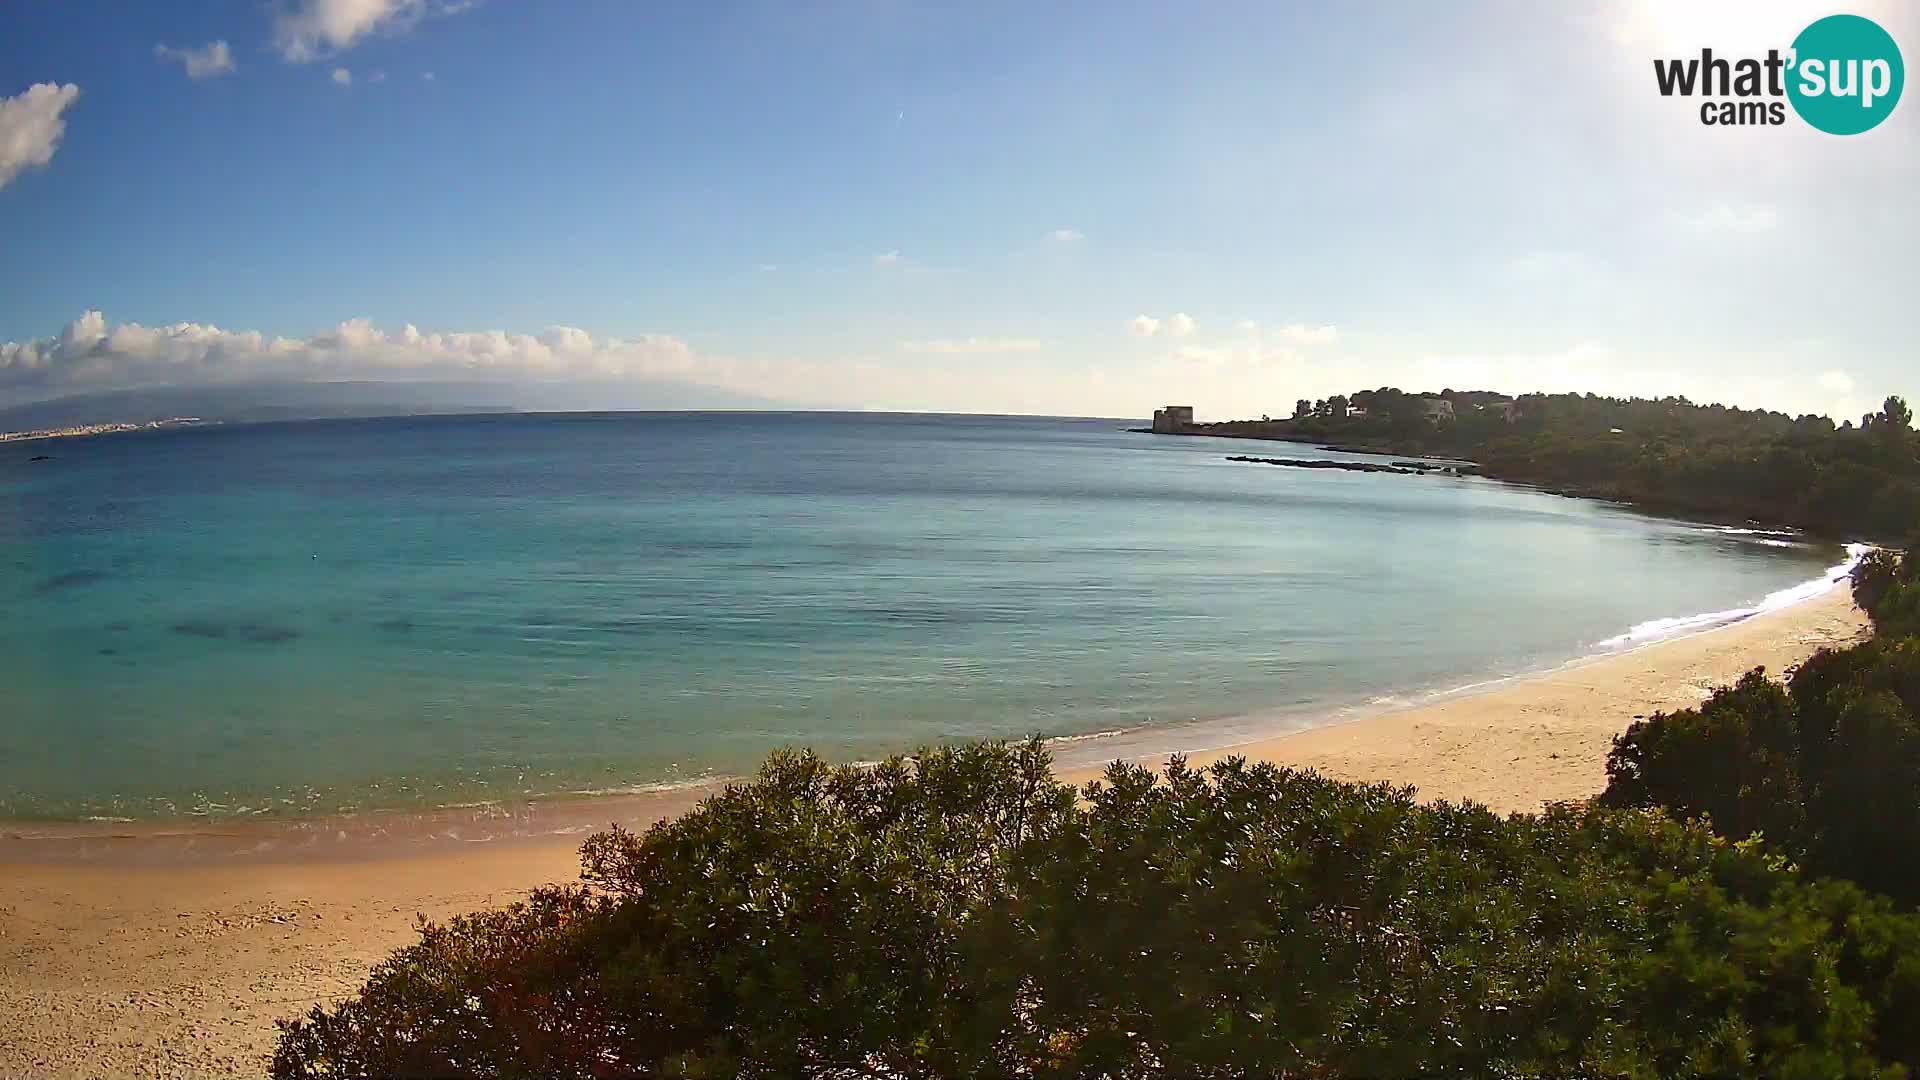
(300, 618)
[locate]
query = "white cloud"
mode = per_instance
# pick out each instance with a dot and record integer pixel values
(1727, 218)
(84, 331)
(1309, 335)
(1179, 324)
(1838, 382)
(971, 346)
(30, 127)
(1241, 376)
(343, 76)
(886, 258)
(426, 76)
(378, 77)
(89, 355)
(313, 29)
(213, 58)
(1066, 236)
(1144, 326)
(767, 268)
(1299, 333)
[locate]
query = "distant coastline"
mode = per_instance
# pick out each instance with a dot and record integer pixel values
(79, 430)
(1667, 456)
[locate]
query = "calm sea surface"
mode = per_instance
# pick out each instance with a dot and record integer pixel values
(302, 618)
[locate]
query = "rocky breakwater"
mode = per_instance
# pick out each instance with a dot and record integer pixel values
(1403, 468)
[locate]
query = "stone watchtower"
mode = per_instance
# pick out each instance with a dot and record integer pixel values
(1172, 420)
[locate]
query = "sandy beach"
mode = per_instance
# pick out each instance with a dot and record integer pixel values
(130, 953)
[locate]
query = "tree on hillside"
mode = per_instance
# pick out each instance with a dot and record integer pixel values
(1666, 454)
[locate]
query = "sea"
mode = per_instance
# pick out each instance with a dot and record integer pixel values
(292, 620)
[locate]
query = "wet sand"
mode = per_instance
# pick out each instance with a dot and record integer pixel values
(171, 951)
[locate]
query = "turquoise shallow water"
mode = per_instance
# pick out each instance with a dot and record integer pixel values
(303, 618)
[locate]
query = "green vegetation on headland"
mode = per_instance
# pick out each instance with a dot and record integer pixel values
(961, 913)
(1826, 767)
(1668, 455)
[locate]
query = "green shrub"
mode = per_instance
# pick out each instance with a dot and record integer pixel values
(1827, 768)
(963, 914)
(1887, 585)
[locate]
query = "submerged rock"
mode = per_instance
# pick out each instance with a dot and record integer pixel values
(69, 580)
(263, 633)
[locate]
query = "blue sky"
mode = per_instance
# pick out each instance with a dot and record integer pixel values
(981, 207)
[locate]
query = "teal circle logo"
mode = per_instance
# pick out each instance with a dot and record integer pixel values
(1846, 75)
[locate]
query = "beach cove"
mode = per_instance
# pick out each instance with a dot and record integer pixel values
(125, 966)
(285, 623)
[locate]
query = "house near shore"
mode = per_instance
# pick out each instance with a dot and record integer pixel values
(1436, 409)
(1172, 420)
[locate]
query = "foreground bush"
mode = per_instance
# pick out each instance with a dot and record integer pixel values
(962, 914)
(1826, 767)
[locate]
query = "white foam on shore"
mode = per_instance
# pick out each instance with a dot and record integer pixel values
(1062, 740)
(651, 788)
(1781, 538)
(1654, 630)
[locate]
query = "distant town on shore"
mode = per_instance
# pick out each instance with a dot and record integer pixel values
(95, 429)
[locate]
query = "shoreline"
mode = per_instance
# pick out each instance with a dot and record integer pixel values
(385, 834)
(1519, 743)
(181, 966)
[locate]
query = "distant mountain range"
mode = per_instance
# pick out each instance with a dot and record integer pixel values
(253, 402)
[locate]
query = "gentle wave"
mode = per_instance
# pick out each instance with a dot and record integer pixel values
(1660, 629)
(651, 788)
(1111, 733)
(1729, 530)
(1778, 538)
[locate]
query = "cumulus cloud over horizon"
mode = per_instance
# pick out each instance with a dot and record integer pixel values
(89, 355)
(31, 124)
(1245, 374)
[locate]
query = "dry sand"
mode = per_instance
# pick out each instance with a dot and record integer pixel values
(120, 964)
